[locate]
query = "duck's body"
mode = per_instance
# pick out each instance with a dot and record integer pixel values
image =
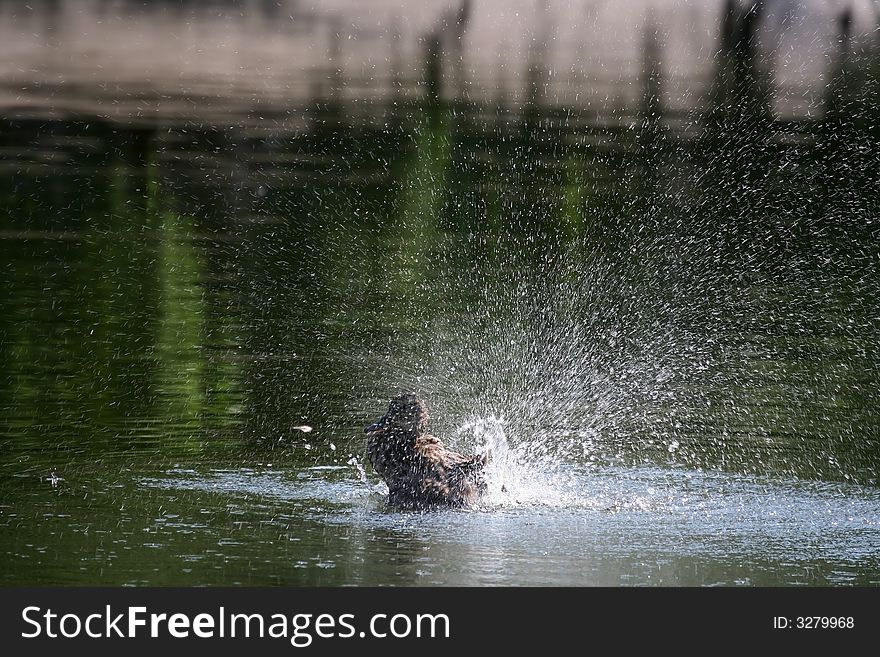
(420, 472)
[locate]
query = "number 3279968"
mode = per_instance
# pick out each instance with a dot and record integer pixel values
(814, 623)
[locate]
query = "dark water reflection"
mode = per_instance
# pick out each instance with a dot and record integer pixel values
(676, 317)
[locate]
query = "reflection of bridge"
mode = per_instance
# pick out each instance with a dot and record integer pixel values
(215, 60)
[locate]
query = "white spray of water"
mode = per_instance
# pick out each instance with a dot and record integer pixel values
(513, 476)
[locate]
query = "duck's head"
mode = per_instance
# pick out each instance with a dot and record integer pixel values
(407, 415)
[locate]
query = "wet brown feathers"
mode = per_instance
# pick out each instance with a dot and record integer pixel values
(421, 473)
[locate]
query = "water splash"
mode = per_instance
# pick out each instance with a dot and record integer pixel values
(572, 355)
(514, 478)
(673, 355)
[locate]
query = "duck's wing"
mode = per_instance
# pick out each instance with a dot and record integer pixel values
(469, 468)
(432, 448)
(448, 477)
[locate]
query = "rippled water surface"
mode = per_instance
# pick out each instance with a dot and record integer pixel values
(266, 525)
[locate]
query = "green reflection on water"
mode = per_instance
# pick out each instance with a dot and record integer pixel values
(180, 334)
(142, 312)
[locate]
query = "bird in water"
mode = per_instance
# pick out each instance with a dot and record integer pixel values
(421, 473)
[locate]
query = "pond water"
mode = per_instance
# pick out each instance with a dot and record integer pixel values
(666, 325)
(282, 525)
